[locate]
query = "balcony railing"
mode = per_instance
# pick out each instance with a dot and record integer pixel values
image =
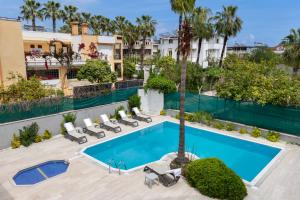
(117, 56)
(50, 64)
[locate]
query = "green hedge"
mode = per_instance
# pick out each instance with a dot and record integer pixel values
(214, 179)
(161, 84)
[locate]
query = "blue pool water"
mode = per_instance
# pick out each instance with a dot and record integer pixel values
(246, 158)
(40, 172)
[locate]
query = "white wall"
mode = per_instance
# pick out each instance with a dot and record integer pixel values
(214, 46)
(152, 102)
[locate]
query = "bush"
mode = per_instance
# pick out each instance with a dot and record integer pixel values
(273, 136)
(214, 179)
(28, 134)
(134, 101)
(70, 117)
(256, 132)
(243, 131)
(47, 135)
(15, 142)
(218, 125)
(163, 113)
(203, 117)
(161, 84)
(229, 127)
(38, 139)
(129, 68)
(116, 115)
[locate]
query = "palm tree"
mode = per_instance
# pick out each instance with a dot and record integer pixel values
(146, 26)
(52, 10)
(131, 35)
(202, 27)
(31, 10)
(120, 24)
(228, 24)
(69, 14)
(86, 17)
(187, 9)
(291, 53)
(95, 24)
(176, 7)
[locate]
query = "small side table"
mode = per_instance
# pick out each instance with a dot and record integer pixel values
(150, 179)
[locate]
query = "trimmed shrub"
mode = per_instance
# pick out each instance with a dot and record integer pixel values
(163, 113)
(69, 117)
(256, 132)
(203, 117)
(161, 84)
(273, 136)
(214, 179)
(243, 131)
(229, 127)
(218, 125)
(47, 135)
(134, 101)
(15, 142)
(28, 134)
(38, 139)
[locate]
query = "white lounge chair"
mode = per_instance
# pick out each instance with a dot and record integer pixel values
(93, 128)
(141, 117)
(126, 120)
(74, 133)
(107, 124)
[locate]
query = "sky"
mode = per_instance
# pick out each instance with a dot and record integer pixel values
(265, 21)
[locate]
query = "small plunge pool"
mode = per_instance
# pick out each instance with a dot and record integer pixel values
(41, 172)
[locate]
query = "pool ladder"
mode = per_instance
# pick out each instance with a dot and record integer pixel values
(117, 166)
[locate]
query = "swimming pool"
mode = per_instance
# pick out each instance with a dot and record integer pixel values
(144, 146)
(41, 172)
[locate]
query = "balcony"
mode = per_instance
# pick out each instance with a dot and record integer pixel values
(41, 63)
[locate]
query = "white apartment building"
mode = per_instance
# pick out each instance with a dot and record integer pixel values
(151, 48)
(210, 50)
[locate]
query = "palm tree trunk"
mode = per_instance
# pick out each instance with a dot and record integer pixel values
(181, 147)
(199, 50)
(179, 36)
(223, 51)
(143, 53)
(33, 23)
(54, 24)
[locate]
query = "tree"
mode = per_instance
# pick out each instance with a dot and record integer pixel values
(96, 71)
(86, 17)
(120, 24)
(177, 8)
(291, 54)
(129, 68)
(168, 69)
(95, 25)
(187, 9)
(131, 35)
(24, 90)
(263, 54)
(262, 83)
(31, 10)
(52, 10)
(146, 26)
(202, 27)
(69, 14)
(65, 57)
(228, 24)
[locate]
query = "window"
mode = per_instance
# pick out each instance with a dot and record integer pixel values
(40, 46)
(170, 41)
(170, 52)
(72, 73)
(218, 41)
(32, 46)
(44, 74)
(118, 69)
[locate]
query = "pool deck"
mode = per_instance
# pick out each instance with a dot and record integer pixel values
(86, 179)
